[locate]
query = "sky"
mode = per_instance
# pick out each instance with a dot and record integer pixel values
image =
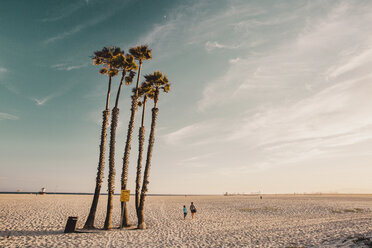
(267, 96)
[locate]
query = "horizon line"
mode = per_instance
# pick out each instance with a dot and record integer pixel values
(178, 194)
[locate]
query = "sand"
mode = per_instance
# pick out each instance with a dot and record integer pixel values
(221, 221)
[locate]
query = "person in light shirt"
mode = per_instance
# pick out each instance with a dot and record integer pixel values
(184, 212)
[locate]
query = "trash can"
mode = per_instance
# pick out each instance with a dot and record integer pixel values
(71, 224)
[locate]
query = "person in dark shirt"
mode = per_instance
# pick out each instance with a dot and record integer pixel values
(192, 209)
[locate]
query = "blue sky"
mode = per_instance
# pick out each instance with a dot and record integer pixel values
(270, 96)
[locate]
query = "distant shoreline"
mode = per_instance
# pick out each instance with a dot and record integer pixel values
(69, 193)
(230, 195)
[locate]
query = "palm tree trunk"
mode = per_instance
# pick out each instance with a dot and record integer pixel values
(141, 221)
(111, 177)
(119, 89)
(124, 175)
(108, 94)
(89, 224)
(141, 141)
(143, 110)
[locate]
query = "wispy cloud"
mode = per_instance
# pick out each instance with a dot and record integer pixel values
(179, 135)
(65, 67)
(337, 116)
(353, 61)
(196, 134)
(306, 57)
(6, 116)
(5, 82)
(191, 25)
(9, 86)
(63, 11)
(197, 161)
(195, 158)
(158, 33)
(210, 46)
(42, 101)
(294, 98)
(94, 21)
(65, 34)
(329, 112)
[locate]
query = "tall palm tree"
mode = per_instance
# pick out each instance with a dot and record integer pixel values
(125, 64)
(147, 92)
(103, 57)
(158, 82)
(140, 53)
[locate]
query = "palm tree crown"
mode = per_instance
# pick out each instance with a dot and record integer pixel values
(145, 91)
(125, 63)
(156, 81)
(107, 57)
(141, 52)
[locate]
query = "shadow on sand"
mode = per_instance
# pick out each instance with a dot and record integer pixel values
(17, 233)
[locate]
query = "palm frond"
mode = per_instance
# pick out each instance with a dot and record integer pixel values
(148, 55)
(141, 52)
(113, 72)
(129, 78)
(103, 70)
(145, 90)
(97, 61)
(166, 88)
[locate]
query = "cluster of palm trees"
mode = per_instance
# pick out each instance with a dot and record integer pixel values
(113, 61)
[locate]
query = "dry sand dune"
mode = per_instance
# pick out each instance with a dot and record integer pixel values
(233, 221)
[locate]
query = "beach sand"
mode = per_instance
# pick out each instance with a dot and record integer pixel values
(221, 221)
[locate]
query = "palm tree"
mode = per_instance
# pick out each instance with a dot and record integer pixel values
(147, 92)
(140, 53)
(104, 57)
(126, 64)
(158, 82)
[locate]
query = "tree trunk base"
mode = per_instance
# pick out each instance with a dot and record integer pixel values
(142, 226)
(88, 227)
(125, 221)
(125, 226)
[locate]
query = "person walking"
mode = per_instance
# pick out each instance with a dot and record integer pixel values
(184, 212)
(192, 210)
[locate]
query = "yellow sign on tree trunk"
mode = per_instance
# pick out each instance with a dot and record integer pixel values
(124, 197)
